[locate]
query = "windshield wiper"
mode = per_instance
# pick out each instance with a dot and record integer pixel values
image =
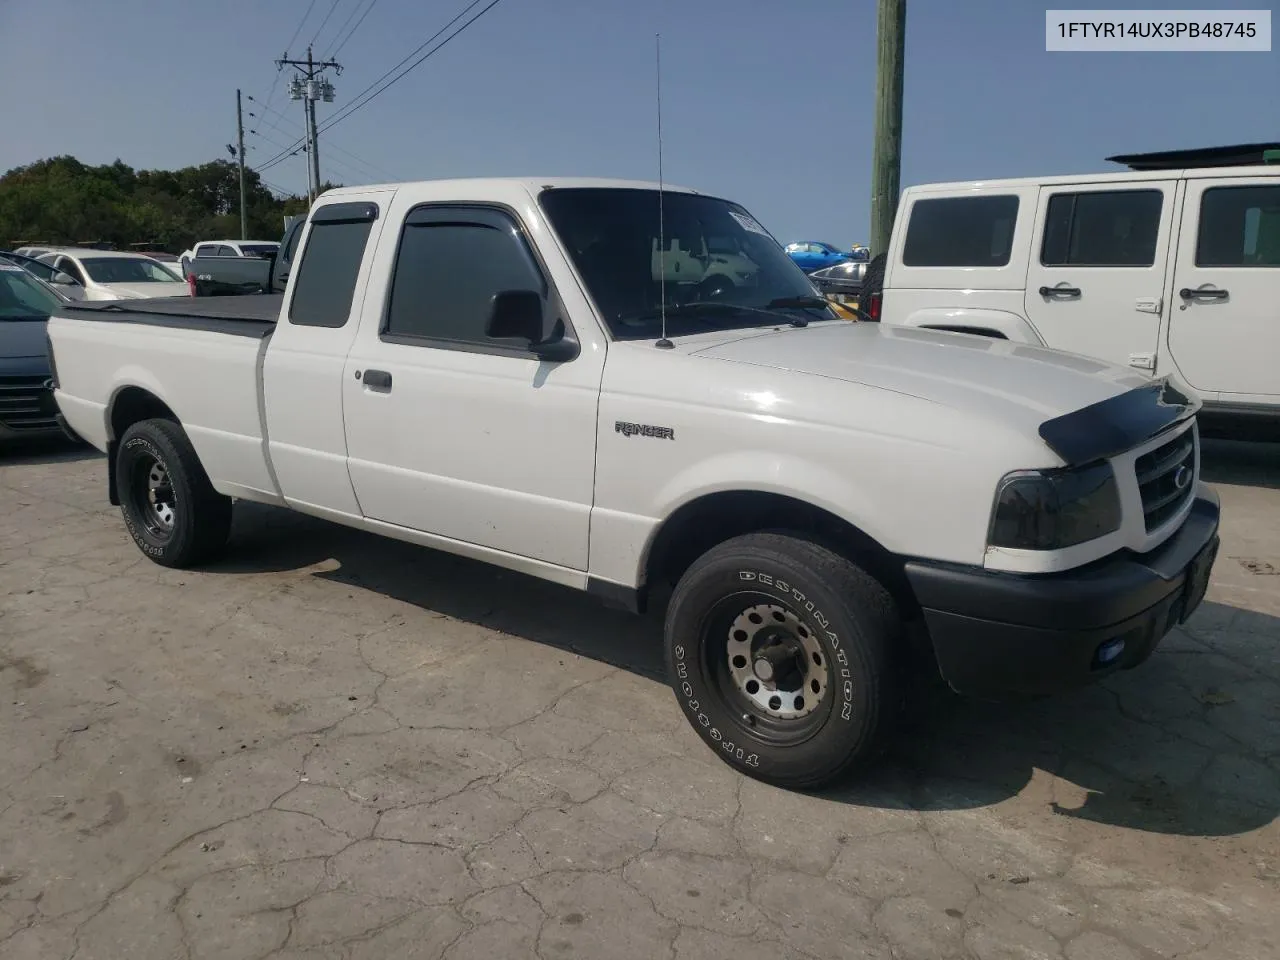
(801, 302)
(713, 306)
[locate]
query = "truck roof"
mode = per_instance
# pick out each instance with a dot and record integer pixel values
(1130, 176)
(534, 184)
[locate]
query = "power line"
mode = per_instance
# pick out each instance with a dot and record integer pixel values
(465, 10)
(334, 51)
(332, 7)
(349, 166)
(370, 93)
(300, 25)
(343, 114)
(282, 118)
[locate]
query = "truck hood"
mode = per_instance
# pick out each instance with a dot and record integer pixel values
(1014, 383)
(21, 339)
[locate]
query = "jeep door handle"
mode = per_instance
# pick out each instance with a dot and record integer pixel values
(1060, 292)
(379, 380)
(1186, 293)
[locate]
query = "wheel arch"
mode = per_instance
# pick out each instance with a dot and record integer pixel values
(712, 518)
(129, 404)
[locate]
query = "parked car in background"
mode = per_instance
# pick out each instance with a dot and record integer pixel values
(27, 407)
(169, 259)
(232, 276)
(841, 280)
(227, 249)
(1170, 269)
(811, 255)
(110, 275)
(36, 250)
(39, 269)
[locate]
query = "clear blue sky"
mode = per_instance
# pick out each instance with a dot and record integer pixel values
(765, 101)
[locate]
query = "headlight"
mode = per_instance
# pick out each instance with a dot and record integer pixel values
(1052, 509)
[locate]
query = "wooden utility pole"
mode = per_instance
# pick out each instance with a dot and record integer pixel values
(244, 225)
(886, 163)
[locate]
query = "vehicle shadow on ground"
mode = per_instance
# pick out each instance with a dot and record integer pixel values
(47, 450)
(1142, 748)
(1237, 463)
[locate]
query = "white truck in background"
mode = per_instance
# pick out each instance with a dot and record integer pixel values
(1170, 271)
(488, 367)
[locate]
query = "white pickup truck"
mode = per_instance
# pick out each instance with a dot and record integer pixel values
(499, 369)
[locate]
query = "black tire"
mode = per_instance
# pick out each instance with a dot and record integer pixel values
(156, 467)
(832, 611)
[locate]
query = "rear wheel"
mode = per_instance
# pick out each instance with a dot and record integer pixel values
(779, 652)
(169, 506)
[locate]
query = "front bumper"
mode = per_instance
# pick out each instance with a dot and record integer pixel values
(997, 634)
(27, 408)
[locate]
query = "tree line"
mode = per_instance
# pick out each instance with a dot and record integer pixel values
(63, 201)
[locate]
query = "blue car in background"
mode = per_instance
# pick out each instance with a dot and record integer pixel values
(811, 255)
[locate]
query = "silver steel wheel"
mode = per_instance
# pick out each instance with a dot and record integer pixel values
(777, 662)
(160, 496)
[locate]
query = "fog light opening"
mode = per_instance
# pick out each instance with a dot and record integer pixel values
(1109, 652)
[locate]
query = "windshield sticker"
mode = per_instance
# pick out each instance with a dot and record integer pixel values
(746, 223)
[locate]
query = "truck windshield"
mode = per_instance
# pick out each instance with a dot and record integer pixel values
(127, 270)
(22, 297)
(714, 252)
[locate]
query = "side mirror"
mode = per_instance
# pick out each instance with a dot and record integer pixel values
(515, 315)
(519, 315)
(64, 279)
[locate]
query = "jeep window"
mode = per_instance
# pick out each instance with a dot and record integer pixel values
(1239, 227)
(1107, 228)
(960, 232)
(612, 236)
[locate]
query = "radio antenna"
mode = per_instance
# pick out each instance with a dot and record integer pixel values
(664, 343)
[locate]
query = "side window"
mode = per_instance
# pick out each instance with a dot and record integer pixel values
(206, 250)
(286, 255)
(450, 264)
(1117, 228)
(326, 278)
(960, 232)
(1239, 227)
(224, 251)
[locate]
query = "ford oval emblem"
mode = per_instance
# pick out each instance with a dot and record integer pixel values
(1182, 477)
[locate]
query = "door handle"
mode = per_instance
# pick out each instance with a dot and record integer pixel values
(1186, 293)
(1059, 291)
(379, 380)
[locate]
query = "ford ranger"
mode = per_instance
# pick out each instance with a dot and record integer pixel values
(502, 369)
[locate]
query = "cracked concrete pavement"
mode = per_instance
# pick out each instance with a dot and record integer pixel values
(335, 746)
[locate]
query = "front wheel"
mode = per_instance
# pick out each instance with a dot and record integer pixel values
(779, 653)
(169, 506)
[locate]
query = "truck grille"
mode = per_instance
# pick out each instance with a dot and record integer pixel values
(1166, 478)
(26, 404)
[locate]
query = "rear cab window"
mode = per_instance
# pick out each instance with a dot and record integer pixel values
(325, 283)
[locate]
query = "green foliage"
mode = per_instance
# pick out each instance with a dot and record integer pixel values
(61, 200)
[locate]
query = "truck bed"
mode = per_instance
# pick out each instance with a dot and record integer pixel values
(253, 315)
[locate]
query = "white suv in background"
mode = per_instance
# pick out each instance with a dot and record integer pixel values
(1166, 271)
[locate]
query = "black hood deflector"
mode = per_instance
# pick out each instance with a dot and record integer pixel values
(1120, 423)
